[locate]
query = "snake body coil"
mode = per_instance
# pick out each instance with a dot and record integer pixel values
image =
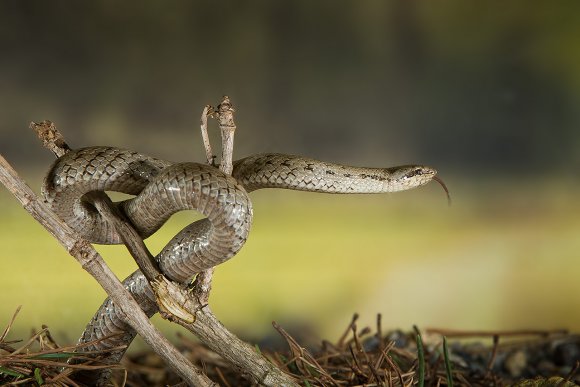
(163, 188)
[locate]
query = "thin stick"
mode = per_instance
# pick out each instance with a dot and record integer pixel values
(225, 117)
(360, 349)
(51, 138)
(9, 326)
(171, 298)
(493, 355)
(570, 375)
(379, 334)
(523, 332)
(207, 112)
(340, 343)
(130, 237)
(421, 357)
(93, 263)
(228, 129)
(240, 354)
(202, 286)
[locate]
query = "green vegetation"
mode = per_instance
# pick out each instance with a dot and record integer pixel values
(421, 358)
(448, 370)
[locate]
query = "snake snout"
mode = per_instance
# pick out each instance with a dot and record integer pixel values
(421, 171)
(417, 175)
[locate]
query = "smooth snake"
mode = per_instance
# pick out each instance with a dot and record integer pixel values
(163, 188)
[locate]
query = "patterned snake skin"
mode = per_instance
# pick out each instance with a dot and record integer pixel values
(163, 188)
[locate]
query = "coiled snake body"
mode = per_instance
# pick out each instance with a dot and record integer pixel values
(162, 188)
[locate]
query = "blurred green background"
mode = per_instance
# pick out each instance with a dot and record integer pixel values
(486, 92)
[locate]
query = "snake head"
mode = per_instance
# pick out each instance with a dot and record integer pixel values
(412, 176)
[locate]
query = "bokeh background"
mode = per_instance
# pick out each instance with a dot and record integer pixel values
(486, 92)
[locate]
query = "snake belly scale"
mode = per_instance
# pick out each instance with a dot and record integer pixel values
(163, 188)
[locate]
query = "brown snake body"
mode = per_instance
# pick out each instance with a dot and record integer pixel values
(162, 188)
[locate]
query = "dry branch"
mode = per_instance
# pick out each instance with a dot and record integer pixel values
(207, 112)
(225, 116)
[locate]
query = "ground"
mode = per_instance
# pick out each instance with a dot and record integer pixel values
(360, 357)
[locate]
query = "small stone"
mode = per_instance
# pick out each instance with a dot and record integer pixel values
(515, 363)
(545, 367)
(567, 354)
(371, 343)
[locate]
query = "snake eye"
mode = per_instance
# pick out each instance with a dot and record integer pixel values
(414, 172)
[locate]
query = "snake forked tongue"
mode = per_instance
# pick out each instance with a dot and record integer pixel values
(442, 184)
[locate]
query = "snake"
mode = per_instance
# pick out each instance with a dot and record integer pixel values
(162, 188)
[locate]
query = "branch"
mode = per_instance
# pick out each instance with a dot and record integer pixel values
(225, 117)
(51, 138)
(238, 353)
(228, 129)
(207, 112)
(129, 235)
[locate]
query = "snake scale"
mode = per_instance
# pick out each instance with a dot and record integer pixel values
(162, 188)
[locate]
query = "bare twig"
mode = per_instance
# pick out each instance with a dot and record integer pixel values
(523, 332)
(493, 355)
(244, 357)
(228, 129)
(130, 237)
(571, 374)
(206, 326)
(51, 138)
(202, 286)
(207, 112)
(360, 349)
(7, 329)
(304, 361)
(340, 343)
(93, 263)
(174, 301)
(225, 117)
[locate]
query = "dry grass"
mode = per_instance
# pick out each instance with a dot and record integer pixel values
(41, 361)
(360, 357)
